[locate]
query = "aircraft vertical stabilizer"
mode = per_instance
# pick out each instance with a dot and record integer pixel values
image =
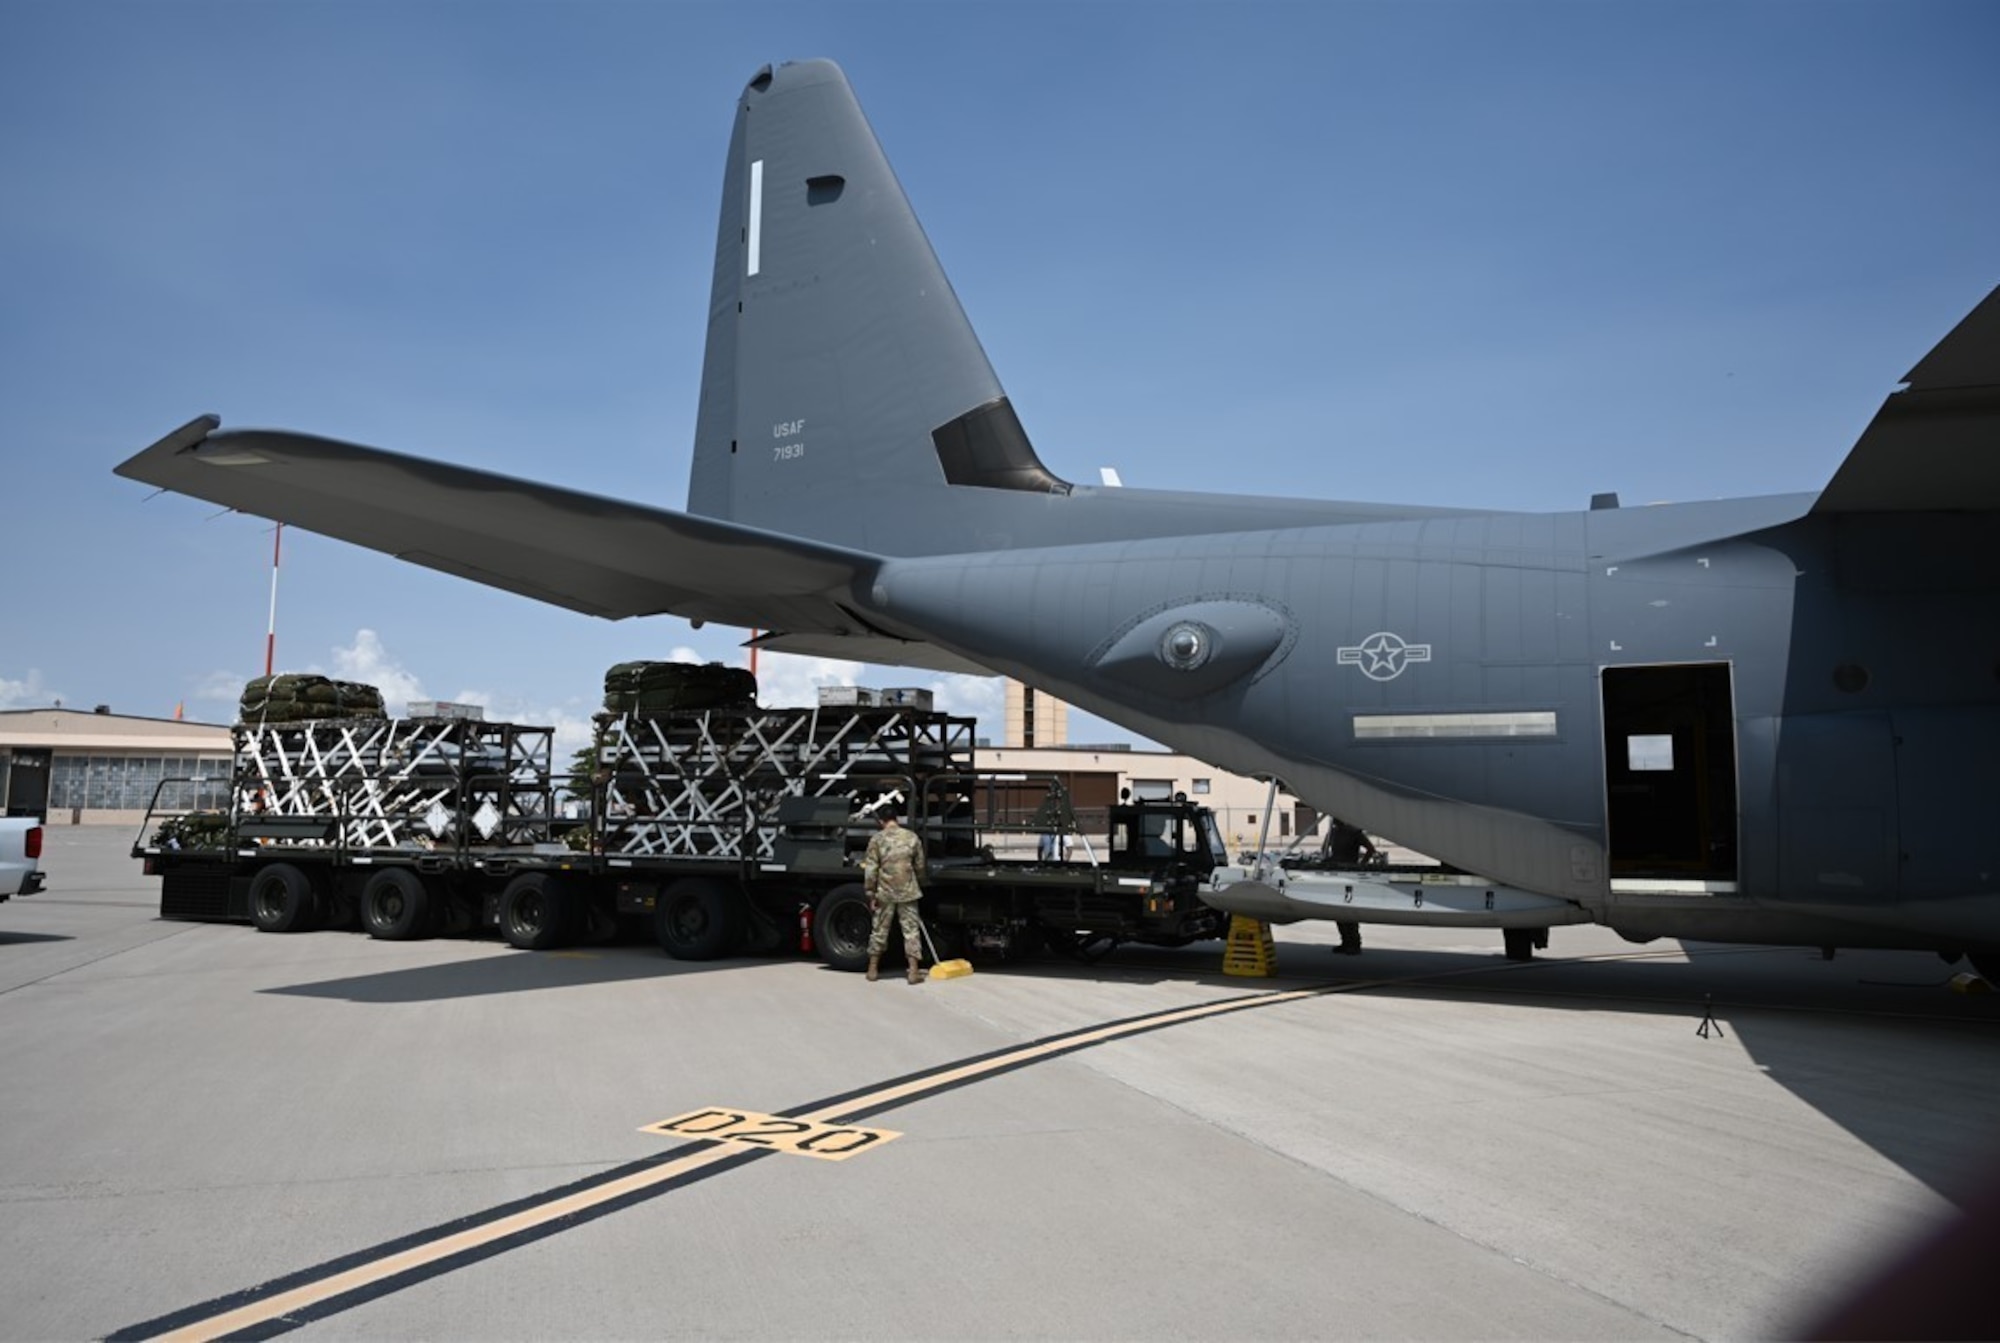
(839, 364)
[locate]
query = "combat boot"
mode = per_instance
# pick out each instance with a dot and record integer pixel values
(916, 970)
(874, 967)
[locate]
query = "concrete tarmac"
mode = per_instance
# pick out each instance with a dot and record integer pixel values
(1432, 1143)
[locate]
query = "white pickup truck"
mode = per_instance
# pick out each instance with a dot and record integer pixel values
(20, 856)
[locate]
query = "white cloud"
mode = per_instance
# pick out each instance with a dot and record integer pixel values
(27, 693)
(369, 662)
(981, 697)
(573, 732)
(787, 680)
(221, 686)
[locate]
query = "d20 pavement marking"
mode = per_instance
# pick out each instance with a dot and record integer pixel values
(800, 1137)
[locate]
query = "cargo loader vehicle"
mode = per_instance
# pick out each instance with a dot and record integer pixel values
(723, 827)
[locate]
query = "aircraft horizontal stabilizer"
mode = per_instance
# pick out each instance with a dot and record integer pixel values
(1935, 445)
(599, 556)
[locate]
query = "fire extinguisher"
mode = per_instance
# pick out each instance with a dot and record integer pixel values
(806, 928)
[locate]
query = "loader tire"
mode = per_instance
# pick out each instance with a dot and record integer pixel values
(282, 900)
(396, 905)
(841, 926)
(699, 919)
(536, 912)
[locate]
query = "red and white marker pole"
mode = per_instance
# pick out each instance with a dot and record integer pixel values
(271, 629)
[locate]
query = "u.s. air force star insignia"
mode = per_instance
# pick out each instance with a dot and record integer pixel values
(1382, 656)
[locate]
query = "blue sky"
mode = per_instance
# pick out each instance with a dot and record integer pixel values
(1488, 254)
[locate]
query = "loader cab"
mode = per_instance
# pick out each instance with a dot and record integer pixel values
(1154, 835)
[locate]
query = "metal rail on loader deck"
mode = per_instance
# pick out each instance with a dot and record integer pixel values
(732, 830)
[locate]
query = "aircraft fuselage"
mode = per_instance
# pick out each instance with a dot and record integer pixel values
(1722, 720)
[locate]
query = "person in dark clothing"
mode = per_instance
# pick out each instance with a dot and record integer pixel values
(1344, 846)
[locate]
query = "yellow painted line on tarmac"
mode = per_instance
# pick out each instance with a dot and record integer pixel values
(927, 1083)
(376, 1271)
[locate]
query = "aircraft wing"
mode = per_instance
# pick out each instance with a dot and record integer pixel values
(886, 649)
(1935, 445)
(599, 556)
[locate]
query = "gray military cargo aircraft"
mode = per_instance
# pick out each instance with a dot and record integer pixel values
(1771, 720)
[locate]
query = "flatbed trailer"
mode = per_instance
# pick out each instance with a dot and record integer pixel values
(730, 830)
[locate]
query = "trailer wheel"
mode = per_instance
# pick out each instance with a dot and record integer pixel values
(699, 919)
(535, 911)
(395, 905)
(840, 929)
(282, 900)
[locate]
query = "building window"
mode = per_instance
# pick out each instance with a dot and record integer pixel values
(1201, 785)
(128, 783)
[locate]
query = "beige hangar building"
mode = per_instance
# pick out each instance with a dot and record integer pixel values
(97, 767)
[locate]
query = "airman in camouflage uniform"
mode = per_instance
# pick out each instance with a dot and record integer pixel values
(889, 872)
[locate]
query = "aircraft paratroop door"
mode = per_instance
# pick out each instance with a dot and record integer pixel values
(1670, 774)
